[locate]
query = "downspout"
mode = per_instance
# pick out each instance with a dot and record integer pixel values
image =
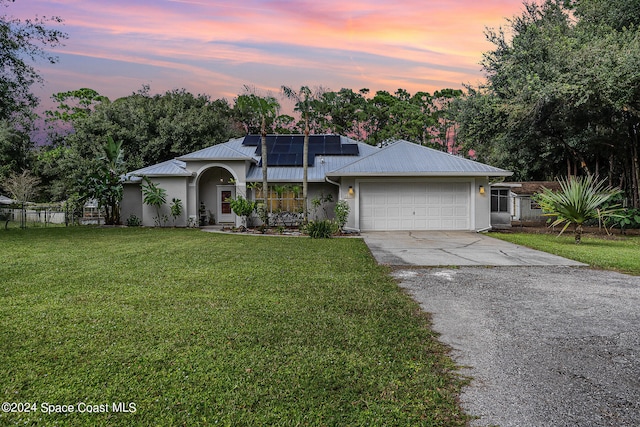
(332, 182)
(338, 185)
(482, 230)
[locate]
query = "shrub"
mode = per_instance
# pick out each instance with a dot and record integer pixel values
(579, 200)
(133, 221)
(342, 212)
(176, 209)
(242, 207)
(156, 197)
(321, 229)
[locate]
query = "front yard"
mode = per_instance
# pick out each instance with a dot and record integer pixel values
(616, 252)
(191, 328)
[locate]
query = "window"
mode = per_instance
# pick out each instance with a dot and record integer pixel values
(282, 198)
(535, 205)
(499, 200)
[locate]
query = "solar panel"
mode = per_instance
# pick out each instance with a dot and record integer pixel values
(287, 150)
(251, 140)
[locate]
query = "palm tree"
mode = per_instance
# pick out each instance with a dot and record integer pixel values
(579, 200)
(267, 109)
(304, 99)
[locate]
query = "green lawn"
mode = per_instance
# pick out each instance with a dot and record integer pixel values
(619, 254)
(196, 328)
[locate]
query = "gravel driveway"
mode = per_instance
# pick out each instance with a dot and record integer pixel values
(546, 346)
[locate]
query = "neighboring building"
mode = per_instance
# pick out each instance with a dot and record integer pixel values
(513, 201)
(402, 186)
(5, 200)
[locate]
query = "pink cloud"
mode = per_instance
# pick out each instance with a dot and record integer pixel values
(213, 45)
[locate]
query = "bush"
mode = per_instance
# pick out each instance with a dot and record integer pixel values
(342, 212)
(242, 207)
(321, 229)
(134, 221)
(627, 219)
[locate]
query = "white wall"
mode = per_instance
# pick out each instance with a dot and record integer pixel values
(176, 187)
(131, 202)
(480, 206)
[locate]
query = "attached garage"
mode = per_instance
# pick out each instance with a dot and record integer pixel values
(406, 186)
(418, 205)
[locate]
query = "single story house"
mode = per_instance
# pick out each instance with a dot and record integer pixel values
(401, 186)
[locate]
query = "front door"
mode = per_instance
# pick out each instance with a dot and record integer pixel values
(225, 214)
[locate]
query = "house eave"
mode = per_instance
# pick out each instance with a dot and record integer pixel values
(419, 174)
(217, 159)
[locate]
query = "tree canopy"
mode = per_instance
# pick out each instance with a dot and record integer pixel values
(562, 95)
(22, 42)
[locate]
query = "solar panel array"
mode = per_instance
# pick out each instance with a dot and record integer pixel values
(287, 150)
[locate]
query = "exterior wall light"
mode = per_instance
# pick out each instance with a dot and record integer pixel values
(351, 192)
(481, 189)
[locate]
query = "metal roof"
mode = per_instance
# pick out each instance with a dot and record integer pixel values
(5, 200)
(226, 151)
(409, 159)
(315, 173)
(168, 168)
(401, 158)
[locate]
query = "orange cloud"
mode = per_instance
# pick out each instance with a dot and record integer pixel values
(414, 44)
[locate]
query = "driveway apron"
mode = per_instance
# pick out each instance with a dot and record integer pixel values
(442, 248)
(545, 344)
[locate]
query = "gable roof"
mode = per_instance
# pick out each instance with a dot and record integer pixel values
(226, 151)
(168, 168)
(340, 156)
(409, 159)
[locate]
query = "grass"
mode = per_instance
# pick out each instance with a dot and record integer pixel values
(620, 254)
(197, 328)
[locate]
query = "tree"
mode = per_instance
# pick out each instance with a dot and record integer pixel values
(105, 184)
(578, 201)
(562, 82)
(15, 150)
(152, 129)
(305, 99)
(444, 125)
(75, 104)
(22, 42)
(266, 108)
(342, 112)
(22, 188)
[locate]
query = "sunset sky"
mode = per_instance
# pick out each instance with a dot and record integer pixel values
(217, 47)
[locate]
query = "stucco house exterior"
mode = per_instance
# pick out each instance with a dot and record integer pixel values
(401, 186)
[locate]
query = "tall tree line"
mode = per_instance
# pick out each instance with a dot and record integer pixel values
(155, 128)
(562, 95)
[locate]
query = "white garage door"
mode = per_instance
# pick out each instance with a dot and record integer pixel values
(414, 206)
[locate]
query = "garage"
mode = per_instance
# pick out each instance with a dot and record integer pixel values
(419, 205)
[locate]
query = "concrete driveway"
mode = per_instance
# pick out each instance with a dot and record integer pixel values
(442, 248)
